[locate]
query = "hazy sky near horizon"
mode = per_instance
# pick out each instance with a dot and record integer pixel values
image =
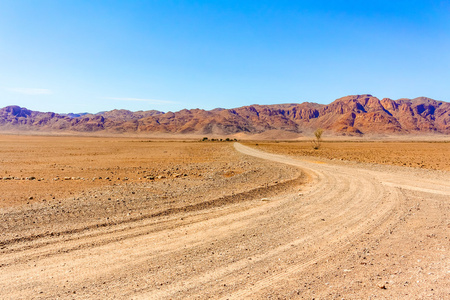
(90, 56)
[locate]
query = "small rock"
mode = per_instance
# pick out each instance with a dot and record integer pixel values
(382, 286)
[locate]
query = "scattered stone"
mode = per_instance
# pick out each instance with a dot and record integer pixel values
(382, 286)
(67, 178)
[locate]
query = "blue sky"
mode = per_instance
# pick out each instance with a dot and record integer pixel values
(89, 56)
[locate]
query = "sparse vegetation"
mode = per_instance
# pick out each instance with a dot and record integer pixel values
(205, 139)
(317, 141)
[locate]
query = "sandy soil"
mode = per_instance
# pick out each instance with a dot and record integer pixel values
(243, 223)
(433, 155)
(45, 168)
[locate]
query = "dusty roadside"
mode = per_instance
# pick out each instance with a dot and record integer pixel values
(253, 225)
(434, 155)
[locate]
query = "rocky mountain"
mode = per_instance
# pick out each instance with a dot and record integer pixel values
(351, 115)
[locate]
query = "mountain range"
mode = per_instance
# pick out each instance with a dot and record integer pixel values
(350, 115)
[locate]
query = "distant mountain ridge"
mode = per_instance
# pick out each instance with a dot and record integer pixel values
(350, 115)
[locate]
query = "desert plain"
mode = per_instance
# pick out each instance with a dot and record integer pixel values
(139, 218)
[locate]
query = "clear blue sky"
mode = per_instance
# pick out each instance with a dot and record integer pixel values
(89, 56)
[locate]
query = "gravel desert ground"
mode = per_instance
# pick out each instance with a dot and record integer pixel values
(138, 219)
(431, 154)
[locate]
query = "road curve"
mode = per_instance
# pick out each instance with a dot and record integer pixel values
(232, 252)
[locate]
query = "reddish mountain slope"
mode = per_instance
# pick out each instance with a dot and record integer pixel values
(351, 115)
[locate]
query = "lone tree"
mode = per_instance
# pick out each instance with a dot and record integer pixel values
(318, 138)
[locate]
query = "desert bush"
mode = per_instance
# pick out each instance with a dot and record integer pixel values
(317, 141)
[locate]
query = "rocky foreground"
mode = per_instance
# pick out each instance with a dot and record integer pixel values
(352, 115)
(242, 224)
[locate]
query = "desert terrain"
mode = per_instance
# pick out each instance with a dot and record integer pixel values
(432, 154)
(133, 218)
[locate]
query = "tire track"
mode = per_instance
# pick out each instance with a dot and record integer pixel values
(233, 251)
(337, 196)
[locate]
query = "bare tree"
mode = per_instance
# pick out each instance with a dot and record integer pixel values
(317, 142)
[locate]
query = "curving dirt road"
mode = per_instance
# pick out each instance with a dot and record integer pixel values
(352, 231)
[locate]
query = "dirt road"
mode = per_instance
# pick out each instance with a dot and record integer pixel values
(352, 231)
